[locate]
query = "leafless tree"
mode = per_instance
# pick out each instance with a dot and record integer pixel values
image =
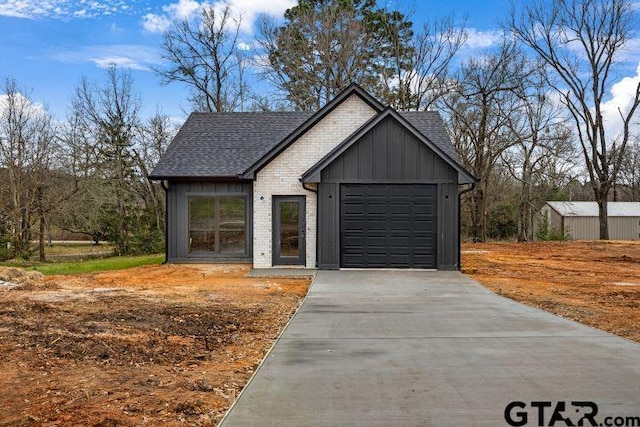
(478, 112)
(629, 177)
(156, 134)
(203, 53)
(417, 75)
(109, 116)
(26, 148)
(540, 136)
(580, 41)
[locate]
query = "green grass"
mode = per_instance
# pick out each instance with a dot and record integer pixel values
(89, 266)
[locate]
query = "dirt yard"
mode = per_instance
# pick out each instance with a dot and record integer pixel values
(596, 283)
(162, 345)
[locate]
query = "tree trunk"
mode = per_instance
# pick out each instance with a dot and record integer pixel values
(479, 217)
(523, 222)
(603, 216)
(41, 232)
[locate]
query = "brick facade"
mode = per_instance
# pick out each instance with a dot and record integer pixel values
(280, 177)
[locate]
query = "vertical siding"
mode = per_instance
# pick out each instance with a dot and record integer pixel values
(328, 226)
(624, 228)
(588, 228)
(388, 154)
(582, 228)
(555, 220)
(178, 211)
(448, 236)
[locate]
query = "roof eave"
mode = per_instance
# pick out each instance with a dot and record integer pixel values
(193, 178)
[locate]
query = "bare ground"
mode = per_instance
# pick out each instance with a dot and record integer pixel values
(174, 345)
(153, 345)
(594, 282)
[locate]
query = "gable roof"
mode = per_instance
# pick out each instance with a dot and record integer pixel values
(215, 145)
(352, 89)
(237, 145)
(427, 120)
(590, 209)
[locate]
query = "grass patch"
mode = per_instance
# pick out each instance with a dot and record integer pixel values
(79, 249)
(89, 266)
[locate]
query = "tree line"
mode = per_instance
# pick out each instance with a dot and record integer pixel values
(526, 117)
(86, 175)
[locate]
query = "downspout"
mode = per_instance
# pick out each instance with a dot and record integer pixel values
(473, 185)
(304, 185)
(166, 221)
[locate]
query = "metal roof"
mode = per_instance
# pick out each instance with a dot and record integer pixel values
(591, 208)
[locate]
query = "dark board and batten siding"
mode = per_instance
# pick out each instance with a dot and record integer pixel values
(388, 154)
(178, 211)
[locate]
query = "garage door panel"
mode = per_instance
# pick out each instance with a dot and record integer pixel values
(400, 224)
(388, 225)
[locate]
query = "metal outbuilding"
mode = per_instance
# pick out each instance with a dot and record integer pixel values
(580, 219)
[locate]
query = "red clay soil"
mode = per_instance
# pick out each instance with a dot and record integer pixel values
(594, 282)
(162, 345)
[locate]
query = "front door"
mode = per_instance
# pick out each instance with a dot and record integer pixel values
(288, 230)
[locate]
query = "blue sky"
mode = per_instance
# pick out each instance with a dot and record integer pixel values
(48, 45)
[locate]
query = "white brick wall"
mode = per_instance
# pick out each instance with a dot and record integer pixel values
(281, 176)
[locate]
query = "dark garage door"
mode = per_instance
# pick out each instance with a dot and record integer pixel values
(388, 225)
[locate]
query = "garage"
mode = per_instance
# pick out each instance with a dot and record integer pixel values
(387, 196)
(388, 226)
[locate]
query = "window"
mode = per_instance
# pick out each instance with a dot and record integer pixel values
(217, 224)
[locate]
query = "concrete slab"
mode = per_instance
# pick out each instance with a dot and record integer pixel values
(432, 349)
(282, 272)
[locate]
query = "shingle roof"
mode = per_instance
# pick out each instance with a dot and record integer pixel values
(211, 145)
(590, 209)
(430, 124)
(224, 144)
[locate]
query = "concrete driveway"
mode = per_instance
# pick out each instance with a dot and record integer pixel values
(393, 348)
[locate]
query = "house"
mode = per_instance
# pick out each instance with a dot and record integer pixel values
(580, 220)
(353, 185)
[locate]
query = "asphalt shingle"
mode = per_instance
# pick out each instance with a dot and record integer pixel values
(217, 145)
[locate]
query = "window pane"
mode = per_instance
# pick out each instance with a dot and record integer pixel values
(202, 236)
(232, 224)
(201, 213)
(289, 229)
(202, 241)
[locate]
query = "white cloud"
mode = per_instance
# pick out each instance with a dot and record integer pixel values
(60, 9)
(21, 103)
(134, 57)
(482, 39)
(184, 9)
(631, 51)
(622, 95)
(246, 10)
(120, 62)
(155, 23)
